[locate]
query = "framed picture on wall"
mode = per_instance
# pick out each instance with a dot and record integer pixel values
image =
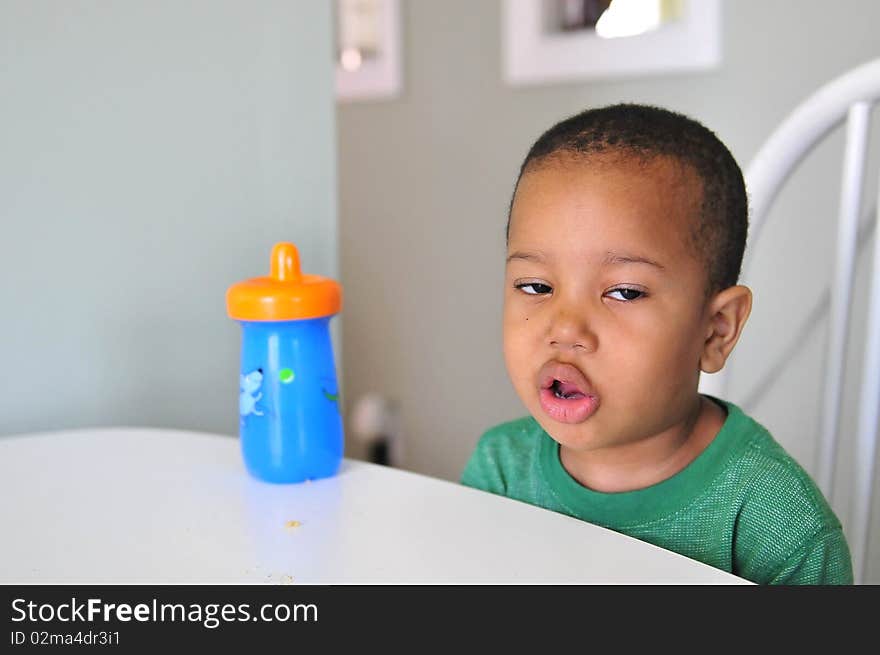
(368, 63)
(565, 40)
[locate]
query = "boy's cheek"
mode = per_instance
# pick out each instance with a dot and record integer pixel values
(520, 369)
(522, 347)
(514, 360)
(519, 333)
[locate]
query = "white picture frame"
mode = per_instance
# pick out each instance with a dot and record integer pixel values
(378, 76)
(534, 55)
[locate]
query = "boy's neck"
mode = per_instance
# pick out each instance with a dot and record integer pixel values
(649, 461)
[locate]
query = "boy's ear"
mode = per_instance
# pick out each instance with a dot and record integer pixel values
(727, 312)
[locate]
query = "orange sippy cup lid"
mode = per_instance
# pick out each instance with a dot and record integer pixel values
(286, 294)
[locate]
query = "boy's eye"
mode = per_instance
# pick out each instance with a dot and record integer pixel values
(625, 293)
(534, 288)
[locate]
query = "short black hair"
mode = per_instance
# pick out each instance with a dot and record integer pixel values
(647, 132)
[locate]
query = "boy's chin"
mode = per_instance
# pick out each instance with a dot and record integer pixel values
(578, 436)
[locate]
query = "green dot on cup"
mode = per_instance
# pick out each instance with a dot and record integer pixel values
(285, 375)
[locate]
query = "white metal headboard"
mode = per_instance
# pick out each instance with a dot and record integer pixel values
(851, 97)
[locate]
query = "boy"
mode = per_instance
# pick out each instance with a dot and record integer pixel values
(625, 238)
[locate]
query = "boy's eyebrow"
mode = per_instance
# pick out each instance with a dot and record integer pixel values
(612, 257)
(528, 256)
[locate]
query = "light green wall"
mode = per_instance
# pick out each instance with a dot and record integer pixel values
(425, 180)
(152, 153)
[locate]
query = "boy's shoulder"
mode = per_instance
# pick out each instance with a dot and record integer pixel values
(504, 452)
(769, 470)
(780, 498)
(511, 443)
(518, 432)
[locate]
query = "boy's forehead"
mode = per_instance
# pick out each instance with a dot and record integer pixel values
(652, 205)
(672, 179)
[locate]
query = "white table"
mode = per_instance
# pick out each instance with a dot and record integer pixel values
(132, 505)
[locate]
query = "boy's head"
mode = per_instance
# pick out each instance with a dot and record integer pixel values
(625, 239)
(641, 133)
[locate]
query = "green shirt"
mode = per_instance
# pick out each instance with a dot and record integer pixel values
(743, 505)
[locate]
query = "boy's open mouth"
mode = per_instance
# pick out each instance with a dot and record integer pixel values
(566, 390)
(565, 393)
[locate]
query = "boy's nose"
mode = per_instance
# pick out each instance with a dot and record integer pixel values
(571, 331)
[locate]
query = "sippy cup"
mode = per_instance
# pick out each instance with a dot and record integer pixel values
(289, 418)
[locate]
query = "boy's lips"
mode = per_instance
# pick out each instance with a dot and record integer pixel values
(565, 393)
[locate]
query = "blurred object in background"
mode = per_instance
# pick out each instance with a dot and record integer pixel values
(375, 422)
(611, 18)
(358, 32)
(368, 49)
(580, 14)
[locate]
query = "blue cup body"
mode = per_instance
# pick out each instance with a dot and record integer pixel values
(289, 417)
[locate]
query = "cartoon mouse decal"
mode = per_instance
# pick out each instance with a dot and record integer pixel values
(250, 393)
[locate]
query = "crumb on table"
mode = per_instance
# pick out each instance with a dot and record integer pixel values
(292, 524)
